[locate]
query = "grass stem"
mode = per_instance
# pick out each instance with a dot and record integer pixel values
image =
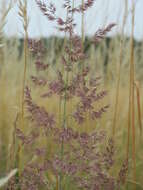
(119, 69)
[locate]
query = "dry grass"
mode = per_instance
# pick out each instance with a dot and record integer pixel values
(132, 95)
(120, 64)
(139, 106)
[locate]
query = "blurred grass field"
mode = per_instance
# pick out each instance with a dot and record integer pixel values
(104, 61)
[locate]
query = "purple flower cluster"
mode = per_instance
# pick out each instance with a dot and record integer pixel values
(100, 34)
(81, 8)
(27, 139)
(37, 48)
(48, 11)
(84, 162)
(77, 157)
(38, 114)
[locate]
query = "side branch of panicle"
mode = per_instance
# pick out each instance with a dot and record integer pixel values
(38, 115)
(82, 8)
(100, 34)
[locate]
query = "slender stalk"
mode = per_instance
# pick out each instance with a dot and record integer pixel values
(133, 94)
(72, 74)
(25, 55)
(60, 101)
(82, 24)
(64, 122)
(73, 7)
(119, 70)
(131, 111)
(3, 16)
(12, 150)
(82, 32)
(139, 107)
(24, 17)
(129, 120)
(4, 138)
(64, 125)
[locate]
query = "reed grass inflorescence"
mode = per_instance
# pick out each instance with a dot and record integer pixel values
(79, 159)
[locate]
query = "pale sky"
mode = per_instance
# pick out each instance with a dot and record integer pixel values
(103, 12)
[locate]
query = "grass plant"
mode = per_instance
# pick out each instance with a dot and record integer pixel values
(59, 124)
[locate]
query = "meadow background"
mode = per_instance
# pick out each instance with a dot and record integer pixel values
(109, 59)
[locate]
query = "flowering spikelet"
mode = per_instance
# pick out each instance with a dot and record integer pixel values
(123, 173)
(37, 49)
(47, 11)
(77, 156)
(99, 113)
(109, 154)
(86, 5)
(36, 46)
(50, 12)
(39, 81)
(38, 115)
(100, 34)
(87, 95)
(27, 139)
